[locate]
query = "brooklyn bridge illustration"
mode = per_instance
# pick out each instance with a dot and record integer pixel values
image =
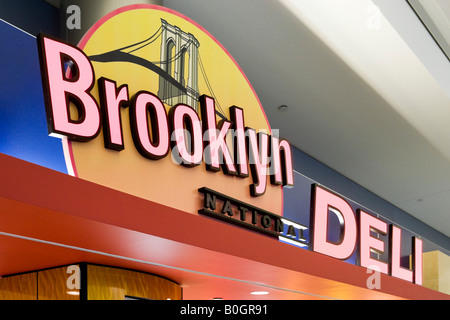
(177, 68)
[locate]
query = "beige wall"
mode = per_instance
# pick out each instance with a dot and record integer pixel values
(436, 271)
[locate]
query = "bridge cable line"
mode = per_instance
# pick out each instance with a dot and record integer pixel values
(210, 89)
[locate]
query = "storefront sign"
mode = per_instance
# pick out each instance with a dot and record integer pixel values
(225, 208)
(164, 132)
(151, 104)
(155, 131)
(356, 232)
(360, 231)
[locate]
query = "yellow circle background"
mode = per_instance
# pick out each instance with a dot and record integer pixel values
(164, 181)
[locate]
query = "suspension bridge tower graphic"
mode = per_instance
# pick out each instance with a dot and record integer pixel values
(177, 67)
(179, 56)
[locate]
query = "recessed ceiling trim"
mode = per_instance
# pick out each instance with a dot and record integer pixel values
(435, 16)
(55, 3)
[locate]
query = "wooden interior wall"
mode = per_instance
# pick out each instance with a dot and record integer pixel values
(104, 283)
(19, 287)
(107, 283)
(52, 285)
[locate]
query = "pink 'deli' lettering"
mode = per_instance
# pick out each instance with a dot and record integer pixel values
(325, 201)
(154, 130)
(395, 247)
(60, 91)
(418, 260)
(367, 224)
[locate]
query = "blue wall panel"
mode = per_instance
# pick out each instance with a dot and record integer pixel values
(23, 123)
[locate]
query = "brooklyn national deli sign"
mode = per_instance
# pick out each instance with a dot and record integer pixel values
(151, 104)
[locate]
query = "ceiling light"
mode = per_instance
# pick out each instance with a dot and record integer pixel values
(259, 293)
(283, 107)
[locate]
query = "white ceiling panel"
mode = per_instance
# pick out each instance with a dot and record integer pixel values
(364, 97)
